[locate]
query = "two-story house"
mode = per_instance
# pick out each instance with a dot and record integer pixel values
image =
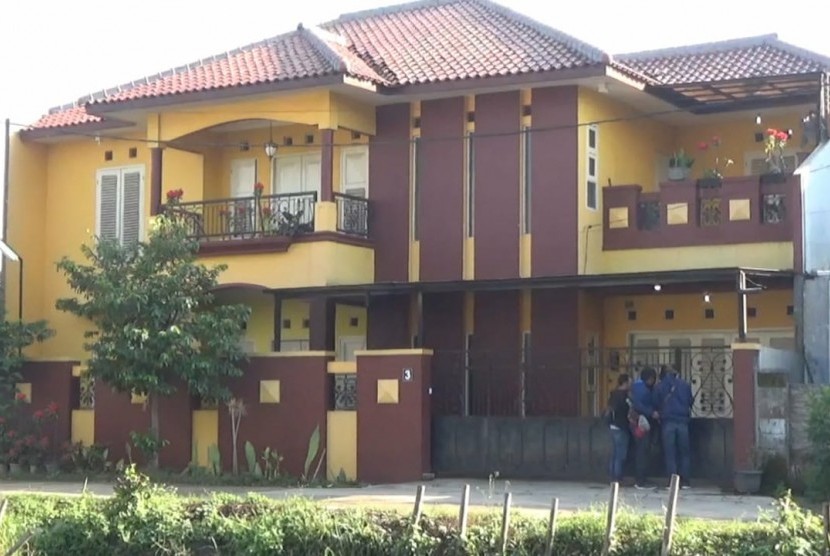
(448, 181)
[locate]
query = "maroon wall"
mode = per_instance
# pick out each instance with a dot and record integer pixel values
(496, 379)
(388, 322)
(553, 382)
(116, 418)
(496, 200)
(554, 179)
(744, 370)
(52, 382)
(393, 440)
(441, 189)
(288, 425)
(444, 333)
(389, 153)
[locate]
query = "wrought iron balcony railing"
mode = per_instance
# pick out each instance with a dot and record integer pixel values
(352, 215)
(248, 217)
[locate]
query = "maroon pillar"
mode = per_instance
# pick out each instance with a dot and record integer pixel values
(744, 371)
(155, 180)
(393, 437)
(327, 169)
(322, 312)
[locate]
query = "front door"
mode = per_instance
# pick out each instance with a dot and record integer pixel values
(297, 173)
(240, 210)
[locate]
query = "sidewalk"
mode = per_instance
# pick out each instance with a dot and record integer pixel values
(703, 502)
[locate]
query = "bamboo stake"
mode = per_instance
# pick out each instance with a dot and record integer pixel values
(463, 512)
(505, 521)
(671, 510)
(419, 503)
(554, 511)
(612, 517)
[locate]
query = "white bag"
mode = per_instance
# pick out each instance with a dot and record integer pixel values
(643, 423)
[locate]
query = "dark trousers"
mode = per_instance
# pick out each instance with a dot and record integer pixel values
(677, 449)
(642, 451)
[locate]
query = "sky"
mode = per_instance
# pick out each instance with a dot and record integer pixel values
(54, 51)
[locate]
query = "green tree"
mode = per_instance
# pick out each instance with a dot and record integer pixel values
(15, 336)
(157, 325)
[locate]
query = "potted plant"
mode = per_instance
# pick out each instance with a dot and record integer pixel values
(15, 456)
(774, 145)
(680, 165)
(748, 476)
(713, 176)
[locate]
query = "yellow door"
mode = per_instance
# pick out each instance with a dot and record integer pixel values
(205, 434)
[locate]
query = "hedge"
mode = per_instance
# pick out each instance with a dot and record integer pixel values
(144, 519)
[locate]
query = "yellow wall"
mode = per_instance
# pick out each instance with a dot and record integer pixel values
(83, 426)
(205, 433)
(689, 313)
(627, 154)
(737, 134)
(343, 326)
(26, 229)
(182, 170)
(341, 445)
(319, 107)
(319, 263)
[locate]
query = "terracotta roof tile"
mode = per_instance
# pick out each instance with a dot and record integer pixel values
(444, 40)
(763, 56)
(64, 117)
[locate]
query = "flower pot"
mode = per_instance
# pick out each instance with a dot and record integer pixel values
(15, 468)
(775, 177)
(709, 183)
(678, 173)
(33, 468)
(748, 481)
(52, 468)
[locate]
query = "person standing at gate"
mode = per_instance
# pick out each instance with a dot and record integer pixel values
(673, 399)
(643, 416)
(617, 419)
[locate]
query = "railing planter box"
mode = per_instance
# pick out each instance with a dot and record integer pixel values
(773, 178)
(709, 183)
(748, 481)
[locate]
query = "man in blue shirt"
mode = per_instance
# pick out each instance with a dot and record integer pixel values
(673, 399)
(642, 401)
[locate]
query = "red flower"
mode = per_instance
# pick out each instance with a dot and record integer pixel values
(20, 396)
(175, 194)
(703, 145)
(52, 407)
(782, 136)
(11, 434)
(771, 131)
(259, 188)
(38, 415)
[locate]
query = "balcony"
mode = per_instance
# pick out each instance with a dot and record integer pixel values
(683, 214)
(268, 221)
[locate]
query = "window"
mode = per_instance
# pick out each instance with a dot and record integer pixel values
(471, 185)
(416, 178)
(354, 173)
(592, 170)
(526, 179)
(120, 204)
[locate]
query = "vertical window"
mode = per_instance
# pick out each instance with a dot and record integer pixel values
(592, 171)
(416, 178)
(120, 204)
(526, 179)
(471, 185)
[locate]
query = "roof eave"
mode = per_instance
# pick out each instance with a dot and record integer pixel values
(86, 128)
(225, 93)
(495, 82)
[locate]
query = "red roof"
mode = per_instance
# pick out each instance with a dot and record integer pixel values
(763, 56)
(434, 41)
(442, 40)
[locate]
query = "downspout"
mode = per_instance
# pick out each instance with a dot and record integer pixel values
(6, 174)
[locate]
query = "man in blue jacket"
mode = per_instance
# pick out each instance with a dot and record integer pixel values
(642, 401)
(673, 399)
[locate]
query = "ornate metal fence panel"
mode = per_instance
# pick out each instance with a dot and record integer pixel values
(352, 215)
(344, 392)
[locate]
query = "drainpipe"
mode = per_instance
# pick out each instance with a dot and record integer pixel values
(6, 173)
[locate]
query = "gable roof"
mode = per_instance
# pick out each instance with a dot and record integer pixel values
(745, 58)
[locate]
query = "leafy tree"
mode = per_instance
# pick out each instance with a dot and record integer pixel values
(157, 325)
(15, 336)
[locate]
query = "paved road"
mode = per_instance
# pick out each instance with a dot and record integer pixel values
(703, 502)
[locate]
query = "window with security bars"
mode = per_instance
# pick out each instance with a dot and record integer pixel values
(120, 204)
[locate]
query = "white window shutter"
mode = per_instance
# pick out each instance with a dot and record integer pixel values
(108, 206)
(131, 207)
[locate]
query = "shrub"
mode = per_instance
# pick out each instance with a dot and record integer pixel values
(145, 519)
(818, 432)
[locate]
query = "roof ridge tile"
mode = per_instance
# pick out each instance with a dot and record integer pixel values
(699, 48)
